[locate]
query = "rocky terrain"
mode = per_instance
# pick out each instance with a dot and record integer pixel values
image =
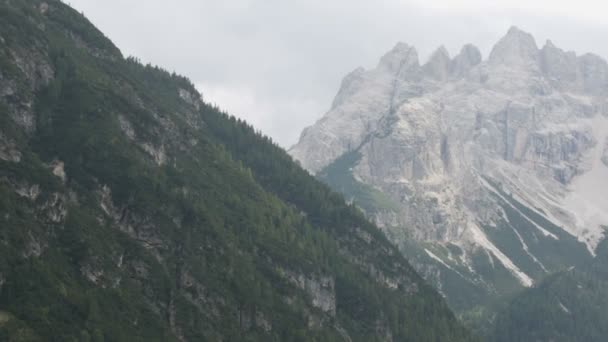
(489, 173)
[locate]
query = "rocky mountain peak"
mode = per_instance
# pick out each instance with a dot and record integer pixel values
(350, 84)
(441, 53)
(439, 64)
(517, 48)
(401, 57)
(557, 64)
(468, 57)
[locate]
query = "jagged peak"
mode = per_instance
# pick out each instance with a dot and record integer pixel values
(439, 64)
(549, 45)
(441, 52)
(551, 50)
(514, 30)
(348, 86)
(471, 53)
(516, 47)
(558, 64)
(402, 55)
(468, 57)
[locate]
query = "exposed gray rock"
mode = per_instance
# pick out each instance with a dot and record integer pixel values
(58, 169)
(34, 247)
(55, 208)
(93, 275)
(44, 7)
(28, 191)
(438, 66)
(8, 150)
(450, 152)
(190, 98)
(558, 65)
(36, 72)
(517, 48)
(321, 289)
(468, 57)
(350, 85)
(24, 117)
(400, 60)
(142, 229)
(262, 322)
(157, 153)
(126, 127)
(560, 152)
(35, 66)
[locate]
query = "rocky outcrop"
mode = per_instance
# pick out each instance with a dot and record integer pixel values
(559, 66)
(190, 98)
(468, 57)
(401, 60)
(8, 150)
(438, 66)
(517, 48)
(158, 154)
(320, 289)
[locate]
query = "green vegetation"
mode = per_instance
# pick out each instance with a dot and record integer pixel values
(175, 221)
(567, 306)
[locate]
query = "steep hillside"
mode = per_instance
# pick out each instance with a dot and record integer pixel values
(569, 306)
(487, 173)
(132, 211)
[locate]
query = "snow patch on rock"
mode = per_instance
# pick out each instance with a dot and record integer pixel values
(564, 308)
(482, 240)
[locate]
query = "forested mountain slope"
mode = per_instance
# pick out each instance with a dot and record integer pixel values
(570, 306)
(132, 211)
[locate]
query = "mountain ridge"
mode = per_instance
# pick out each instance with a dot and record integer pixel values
(492, 159)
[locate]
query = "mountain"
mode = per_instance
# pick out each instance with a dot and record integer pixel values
(487, 173)
(130, 210)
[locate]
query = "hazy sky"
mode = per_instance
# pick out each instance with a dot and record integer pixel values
(278, 63)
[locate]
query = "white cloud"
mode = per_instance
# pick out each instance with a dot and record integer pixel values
(282, 119)
(581, 9)
(279, 63)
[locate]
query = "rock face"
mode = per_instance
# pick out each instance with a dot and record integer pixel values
(485, 172)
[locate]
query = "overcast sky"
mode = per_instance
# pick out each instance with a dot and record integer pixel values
(278, 63)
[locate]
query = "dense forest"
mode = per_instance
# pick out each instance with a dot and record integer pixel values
(130, 210)
(566, 306)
